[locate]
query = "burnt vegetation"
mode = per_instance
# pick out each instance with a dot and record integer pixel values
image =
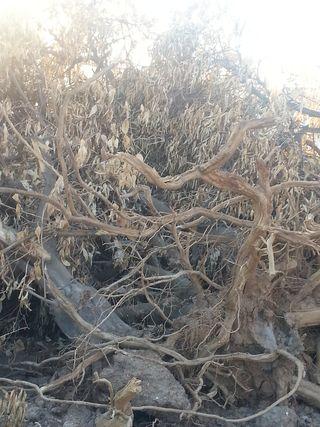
(159, 224)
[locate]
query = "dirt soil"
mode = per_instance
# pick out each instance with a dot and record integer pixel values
(40, 413)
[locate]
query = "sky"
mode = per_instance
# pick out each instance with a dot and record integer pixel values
(284, 34)
(281, 35)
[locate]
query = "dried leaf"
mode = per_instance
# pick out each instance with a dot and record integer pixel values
(4, 142)
(93, 111)
(126, 142)
(85, 254)
(114, 128)
(37, 127)
(37, 271)
(18, 210)
(55, 193)
(58, 187)
(146, 116)
(22, 234)
(111, 94)
(63, 224)
(38, 154)
(82, 154)
(37, 232)
(5, 134)
(112, 144)
(125, 126)
(26, 185)
(18, 346)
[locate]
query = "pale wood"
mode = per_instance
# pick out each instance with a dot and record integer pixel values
(309, 393)
(304, 318)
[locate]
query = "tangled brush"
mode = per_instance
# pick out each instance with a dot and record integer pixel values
(182, 194)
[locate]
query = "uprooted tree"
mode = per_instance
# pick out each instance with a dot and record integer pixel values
(165, 217)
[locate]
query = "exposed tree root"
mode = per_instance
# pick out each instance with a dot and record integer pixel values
(163, 216)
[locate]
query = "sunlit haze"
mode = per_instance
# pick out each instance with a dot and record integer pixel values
(281, 36)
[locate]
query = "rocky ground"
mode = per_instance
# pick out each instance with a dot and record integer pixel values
(47, 414)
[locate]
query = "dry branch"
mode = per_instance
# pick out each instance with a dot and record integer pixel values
(86, 198)
(304, 318)
(309, 393)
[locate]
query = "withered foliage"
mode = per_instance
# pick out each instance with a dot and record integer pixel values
(182, 192)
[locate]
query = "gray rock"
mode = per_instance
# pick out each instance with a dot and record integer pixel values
(264, 335)
(36, 417)
(159, 387)
(280, 416)
(79, 416)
